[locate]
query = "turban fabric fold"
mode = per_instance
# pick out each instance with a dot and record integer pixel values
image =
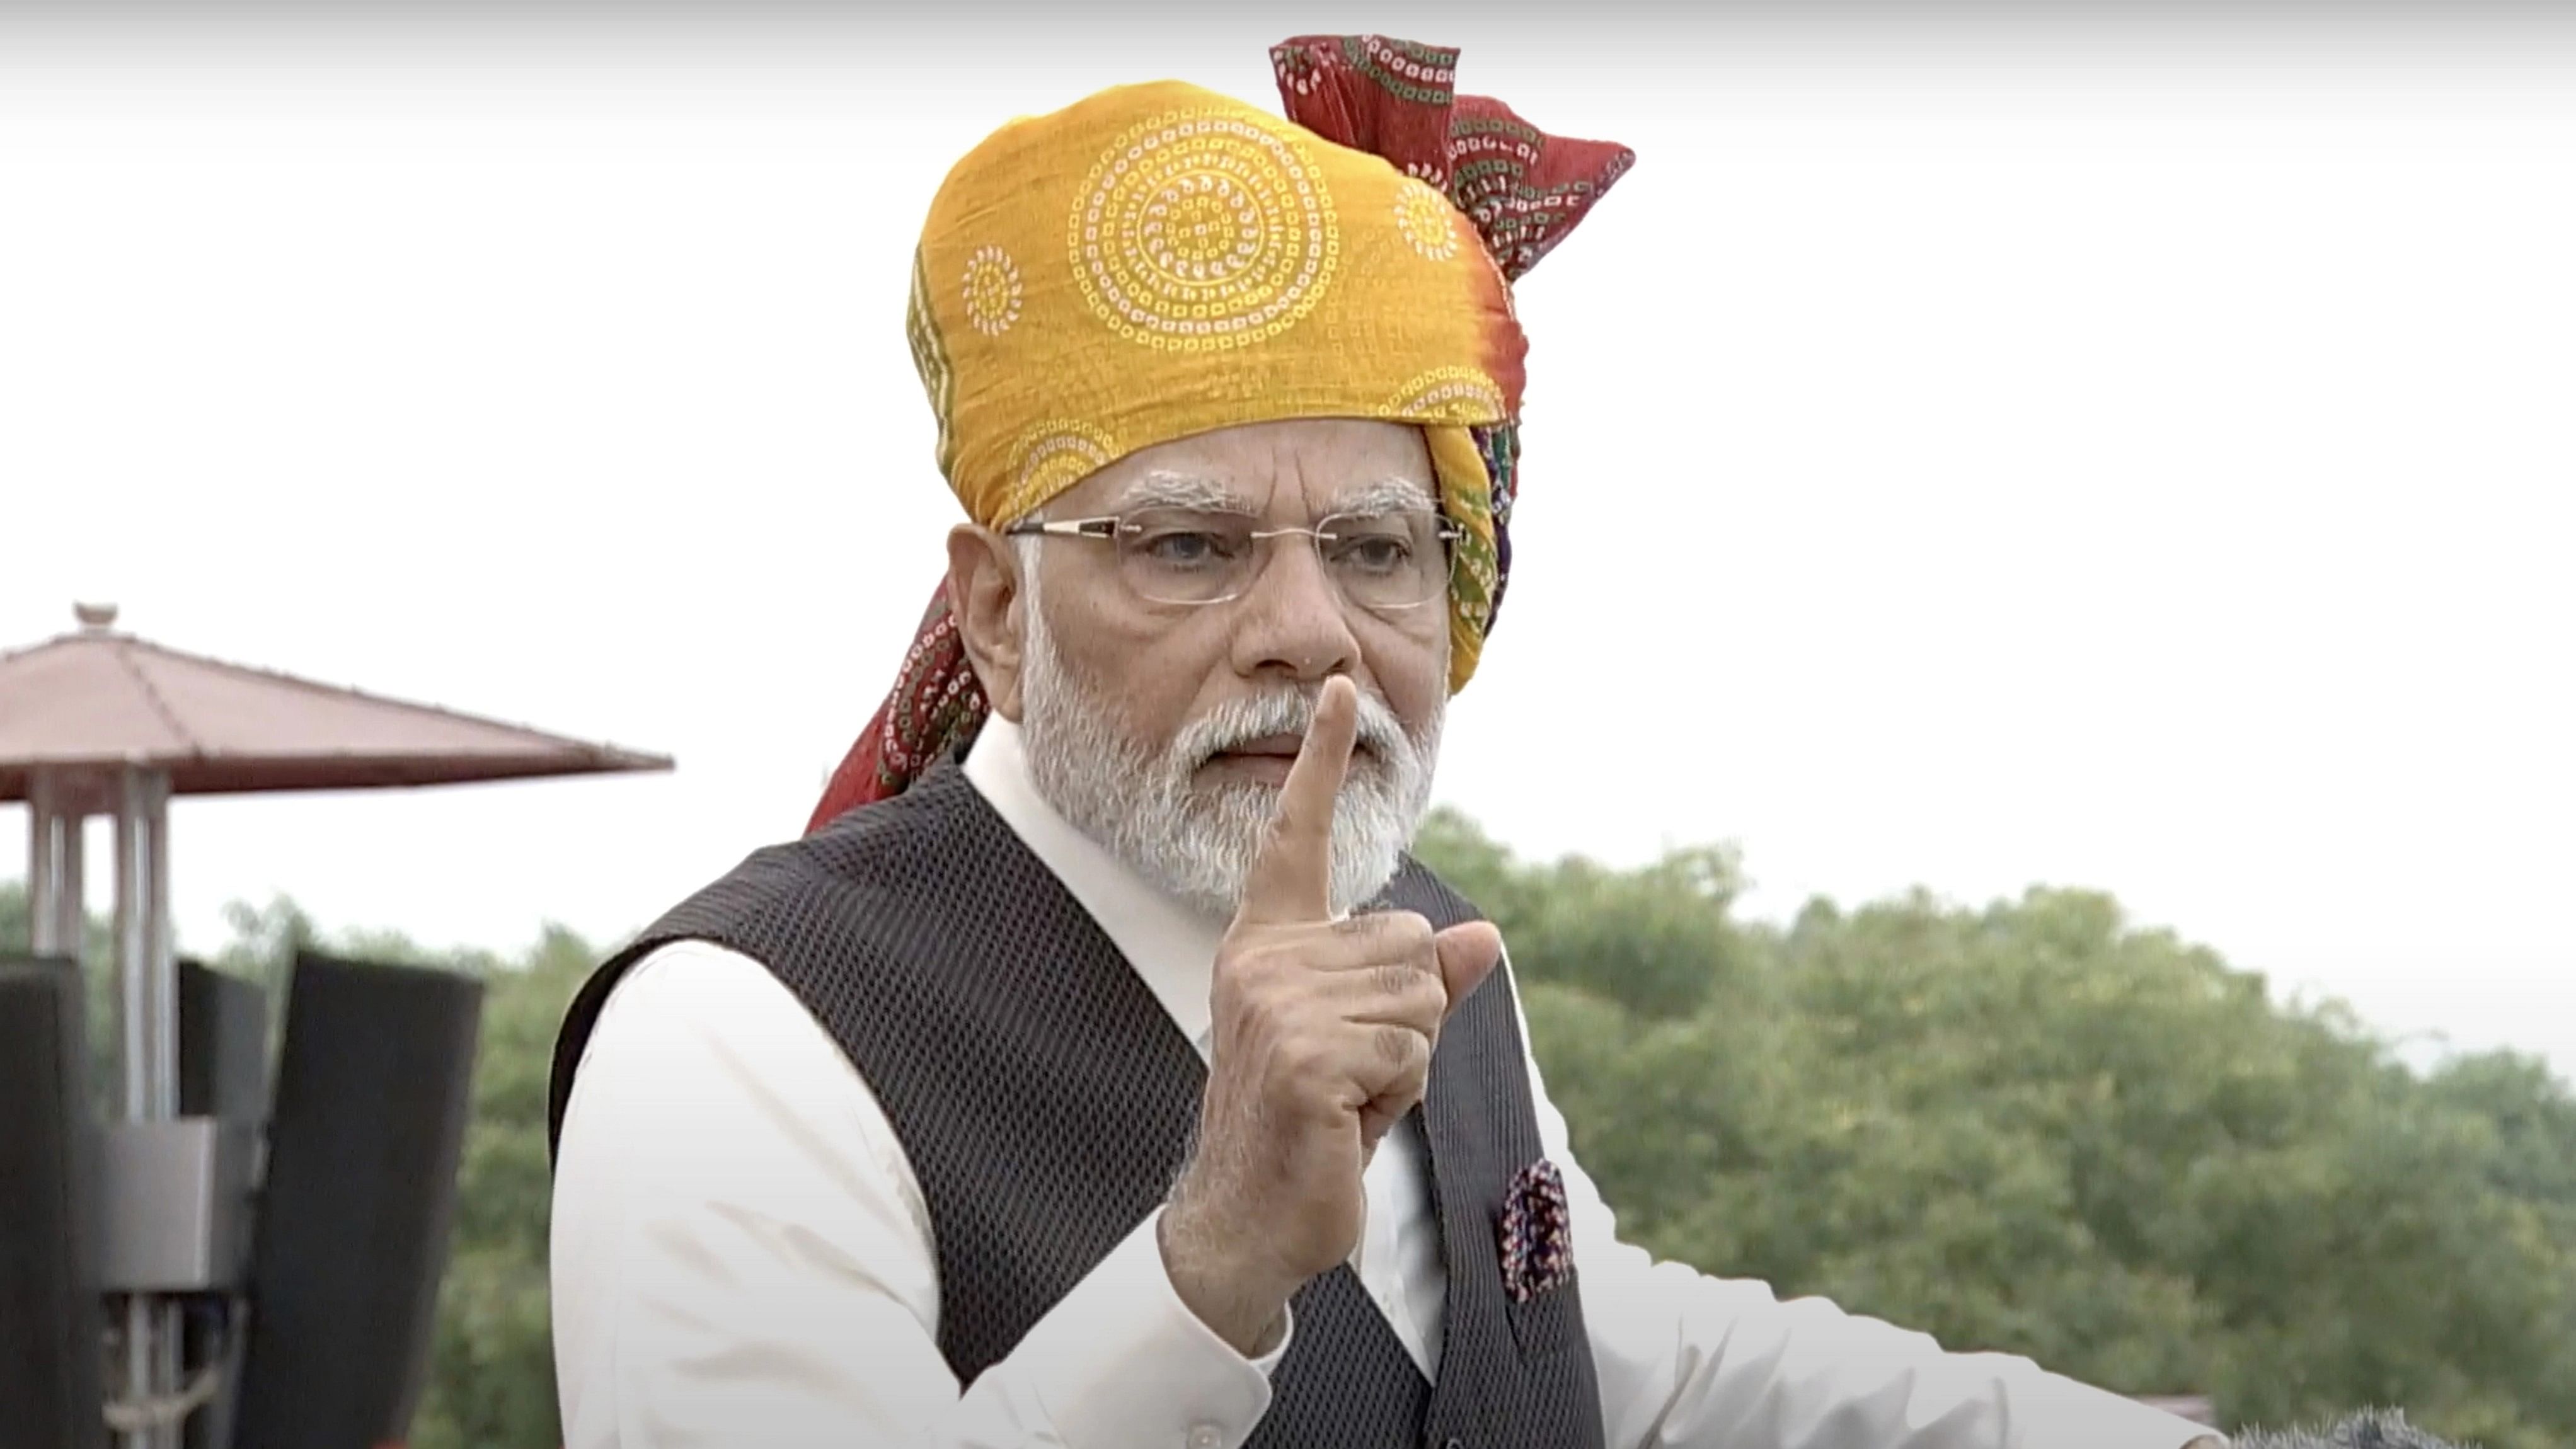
(1157, 261)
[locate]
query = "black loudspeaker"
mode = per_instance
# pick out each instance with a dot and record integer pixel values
(223, 1045)
(52, 1326)
(223, 1072)
(372, 1094)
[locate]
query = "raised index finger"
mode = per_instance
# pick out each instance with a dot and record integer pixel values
(1292, 877)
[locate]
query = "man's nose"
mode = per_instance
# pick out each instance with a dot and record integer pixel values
(1293, 621)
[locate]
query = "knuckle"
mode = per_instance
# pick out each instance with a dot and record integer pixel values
(1365, 927)
(1394, 928)
(1227, 988)
(1403, 935)
(1398, 1046)
(1431, 998)
(1236, 960)
(1396, 980)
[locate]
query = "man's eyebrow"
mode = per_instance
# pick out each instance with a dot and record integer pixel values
(1187, 490)
(1383, 495)
(1183, 490)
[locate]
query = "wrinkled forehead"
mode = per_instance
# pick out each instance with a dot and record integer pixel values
(1284, 472)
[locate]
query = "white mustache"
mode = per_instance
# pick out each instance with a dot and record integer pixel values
(1238, 722)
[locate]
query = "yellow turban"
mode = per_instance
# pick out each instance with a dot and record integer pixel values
(1157, 261)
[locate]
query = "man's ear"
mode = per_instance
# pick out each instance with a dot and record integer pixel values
(984, 596)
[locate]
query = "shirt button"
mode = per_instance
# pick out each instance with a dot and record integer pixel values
(1205, 1436)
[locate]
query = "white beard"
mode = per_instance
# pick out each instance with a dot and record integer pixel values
(1198, 842)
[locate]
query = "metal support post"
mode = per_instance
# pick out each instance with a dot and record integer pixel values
(148, 982)
(54, 898)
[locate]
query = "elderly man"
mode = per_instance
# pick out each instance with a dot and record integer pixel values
(1099, 1070)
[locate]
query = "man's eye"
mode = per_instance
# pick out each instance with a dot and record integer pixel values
(1378, 554)
(1184, 549)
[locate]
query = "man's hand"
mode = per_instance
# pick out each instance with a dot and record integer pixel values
(1323, 1038)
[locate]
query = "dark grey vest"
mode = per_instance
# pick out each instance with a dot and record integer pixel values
(1046, 1102)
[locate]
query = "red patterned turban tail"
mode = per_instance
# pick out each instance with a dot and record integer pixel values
(1522, 189)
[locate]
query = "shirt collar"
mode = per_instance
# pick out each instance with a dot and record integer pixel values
(1172, 947)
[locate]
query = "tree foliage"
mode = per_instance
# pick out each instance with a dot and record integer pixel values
(2036, 1128)
(2032, 1127)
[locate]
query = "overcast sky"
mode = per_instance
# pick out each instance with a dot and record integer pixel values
(1969, 451)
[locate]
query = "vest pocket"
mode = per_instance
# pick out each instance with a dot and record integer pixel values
(1549, 1322)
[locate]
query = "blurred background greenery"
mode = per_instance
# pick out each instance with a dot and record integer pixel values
(2033, 1127)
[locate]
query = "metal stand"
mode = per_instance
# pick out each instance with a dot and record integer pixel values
(148, 999)
(147, 1005)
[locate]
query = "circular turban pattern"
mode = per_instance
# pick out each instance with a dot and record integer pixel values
(1157, 261)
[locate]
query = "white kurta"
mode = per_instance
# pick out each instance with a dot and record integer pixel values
(742, 1257)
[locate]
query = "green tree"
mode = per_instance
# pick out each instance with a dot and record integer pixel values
(492, 1373)
(2038, 1129)
(1655, 941)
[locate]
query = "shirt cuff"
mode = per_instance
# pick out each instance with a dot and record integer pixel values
(1121, 1361)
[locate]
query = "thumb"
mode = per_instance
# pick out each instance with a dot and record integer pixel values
(1469, 952)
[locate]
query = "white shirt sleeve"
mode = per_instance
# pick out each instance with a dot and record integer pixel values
(1688, 1359)
(741, 1256)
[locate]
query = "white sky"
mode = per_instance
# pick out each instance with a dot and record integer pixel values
(2130, 454)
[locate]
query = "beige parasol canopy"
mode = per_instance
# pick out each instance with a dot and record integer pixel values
(101, 699)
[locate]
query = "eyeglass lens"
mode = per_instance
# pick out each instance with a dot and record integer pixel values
(1393, 560)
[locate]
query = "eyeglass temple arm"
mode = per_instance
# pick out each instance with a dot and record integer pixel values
(1063, 528)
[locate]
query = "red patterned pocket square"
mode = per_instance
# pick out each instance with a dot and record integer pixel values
(1538, 1237)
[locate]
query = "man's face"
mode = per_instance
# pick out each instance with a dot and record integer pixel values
(1164, 730)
